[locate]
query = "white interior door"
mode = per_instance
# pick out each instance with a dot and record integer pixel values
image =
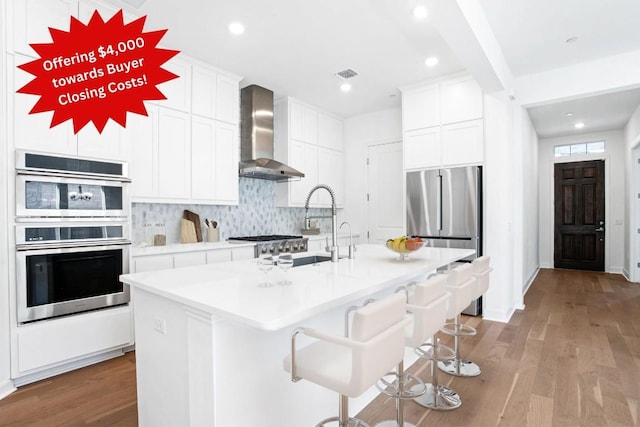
(385, 192)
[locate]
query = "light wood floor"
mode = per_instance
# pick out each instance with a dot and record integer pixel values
(571, 358)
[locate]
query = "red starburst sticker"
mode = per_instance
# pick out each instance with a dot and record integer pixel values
(98, 71)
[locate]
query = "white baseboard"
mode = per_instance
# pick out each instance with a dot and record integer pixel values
(530, 281)
(615, 270)
(626, 274)
(502, 316)
(48, 373)
(6, 388)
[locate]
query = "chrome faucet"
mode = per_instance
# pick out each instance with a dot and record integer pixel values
(334, 219)
(352, 247)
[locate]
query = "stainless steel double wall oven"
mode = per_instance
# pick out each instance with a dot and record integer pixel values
(72, 235)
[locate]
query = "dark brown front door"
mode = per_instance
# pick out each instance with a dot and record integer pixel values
(579, 215)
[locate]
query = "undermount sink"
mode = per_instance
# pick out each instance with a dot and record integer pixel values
(312, 259)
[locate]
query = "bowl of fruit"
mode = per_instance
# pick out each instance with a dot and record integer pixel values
(404, 245)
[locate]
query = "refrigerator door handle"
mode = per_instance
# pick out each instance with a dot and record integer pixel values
(439, 203)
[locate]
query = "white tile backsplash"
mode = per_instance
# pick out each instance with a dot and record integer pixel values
(255, 214)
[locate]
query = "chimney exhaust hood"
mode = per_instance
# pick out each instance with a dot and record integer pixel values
(256, 137)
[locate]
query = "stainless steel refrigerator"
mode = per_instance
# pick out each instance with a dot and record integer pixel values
(444, 207)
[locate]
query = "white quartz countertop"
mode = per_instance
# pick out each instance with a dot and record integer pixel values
(233, 290)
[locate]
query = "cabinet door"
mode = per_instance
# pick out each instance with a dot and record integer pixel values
(227, 99)
(106, 145)
(152, 263)
(189, 259)
(303, 122)
(420, 108)
(243, 253)
(222, 255)
(32, 19)
(203, 93)
(462, 143)
(174, 154)
(330, 172)
(303, 157)
(330, 132)
(33, 131)
(178, 90)
(203, 158)
(422, 148)
(461, 100)
(226, 163)
(140, 136)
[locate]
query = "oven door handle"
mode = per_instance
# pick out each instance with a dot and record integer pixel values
(92, 176)
(62, 245)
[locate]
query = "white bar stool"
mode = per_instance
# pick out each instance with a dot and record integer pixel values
(351, 365)
(429, 305)
(481, 270)
(462, 287)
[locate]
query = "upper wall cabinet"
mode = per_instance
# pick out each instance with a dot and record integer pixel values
(32, 19)
(420, 108)
(442, 124)
(460, 100)
(309, 140)
(177, 91)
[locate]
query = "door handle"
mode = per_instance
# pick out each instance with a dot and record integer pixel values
(599, 229)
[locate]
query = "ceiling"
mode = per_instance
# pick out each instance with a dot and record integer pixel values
(295, 49)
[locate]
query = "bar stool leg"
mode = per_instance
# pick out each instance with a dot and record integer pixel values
(403, 393)
(457, 366)
(438, 397)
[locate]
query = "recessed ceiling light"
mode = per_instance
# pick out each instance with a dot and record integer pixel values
(579, 125)
(571, 39)
(236, 28)
(345, 87)
(420, 12)
(569, 114)
(431, 62)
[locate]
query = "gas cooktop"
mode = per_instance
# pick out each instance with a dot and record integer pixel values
(265, 238)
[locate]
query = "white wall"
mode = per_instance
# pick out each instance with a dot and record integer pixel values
(360, 132)
(530, 225)
(499, 207)
(632, 211)
(6, 385)
(614, 194)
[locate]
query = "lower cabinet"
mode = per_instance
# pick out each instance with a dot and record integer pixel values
(48, 343)
(178, 259)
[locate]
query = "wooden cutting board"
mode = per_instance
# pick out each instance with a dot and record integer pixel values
(195, 218)
(187, 231)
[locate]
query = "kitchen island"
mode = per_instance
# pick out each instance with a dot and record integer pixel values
(210, 339)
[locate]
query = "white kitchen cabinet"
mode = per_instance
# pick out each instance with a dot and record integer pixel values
(463, 143)
(178, 90)
(141, 137)
(330, 132)
(227, 98)
(189, 259)
(331, 173)
(222, 255)
(226, 179)
(303, 123)
(174, 154)
(243, 253)
(203, 93)
(32, 19)
(460, 100)
(303, 157)
(109, 145)
(203, 158)
(48, 343)
(151, 263)
(422, 148)
(320, 163)
(420, 107)
(214, 161)
(443, 124)
(33, 131)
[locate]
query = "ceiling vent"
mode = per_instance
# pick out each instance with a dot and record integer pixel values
(347, 74)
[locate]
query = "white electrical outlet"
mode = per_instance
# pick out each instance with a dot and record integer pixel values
(160, 325)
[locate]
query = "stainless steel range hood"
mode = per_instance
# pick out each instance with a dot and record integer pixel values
(256, 137)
